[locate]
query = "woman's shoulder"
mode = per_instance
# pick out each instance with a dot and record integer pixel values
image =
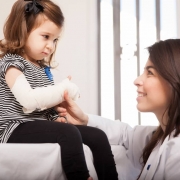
(174, 142)
(171, 151)
(173, 147)
(171, 157)
(148, 130)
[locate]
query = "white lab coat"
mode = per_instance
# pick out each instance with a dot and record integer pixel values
(164, 161)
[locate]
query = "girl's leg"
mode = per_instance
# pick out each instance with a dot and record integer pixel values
(97, 141)
(68, 137)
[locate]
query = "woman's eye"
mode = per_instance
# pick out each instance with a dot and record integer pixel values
(150, 73)
(46, 36)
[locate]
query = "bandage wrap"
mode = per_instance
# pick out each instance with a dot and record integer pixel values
(42, 98)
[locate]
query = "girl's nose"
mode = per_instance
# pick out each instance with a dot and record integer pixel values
(50, 45)
(138, 81)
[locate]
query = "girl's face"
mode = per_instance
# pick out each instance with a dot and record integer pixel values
(154, 92)
(41, 41)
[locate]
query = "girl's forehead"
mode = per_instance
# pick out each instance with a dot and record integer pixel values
(39, 20)
(42, 22)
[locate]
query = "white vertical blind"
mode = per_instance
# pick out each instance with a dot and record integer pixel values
(128, 67)
(107, 65)
(128, 43)
(147, 38)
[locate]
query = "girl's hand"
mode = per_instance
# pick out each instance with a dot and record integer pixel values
(72, 111)
(69, 77)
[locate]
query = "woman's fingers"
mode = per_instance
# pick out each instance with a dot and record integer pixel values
(66, 97)
(61, 119)
(61, 111)
(68, 100)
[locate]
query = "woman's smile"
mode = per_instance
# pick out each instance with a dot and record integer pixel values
(140, 95)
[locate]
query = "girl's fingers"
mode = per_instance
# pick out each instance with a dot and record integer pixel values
(69, 77)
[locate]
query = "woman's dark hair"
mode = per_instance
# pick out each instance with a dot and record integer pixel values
(165, 56)
(20, 23)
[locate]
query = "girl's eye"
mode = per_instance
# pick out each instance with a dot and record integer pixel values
(56, 40)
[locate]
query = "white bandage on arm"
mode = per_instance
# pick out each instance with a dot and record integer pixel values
(42, 97)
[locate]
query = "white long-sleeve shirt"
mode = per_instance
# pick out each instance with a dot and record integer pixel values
(163, 162)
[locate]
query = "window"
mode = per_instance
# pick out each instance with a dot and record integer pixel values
(127, 27)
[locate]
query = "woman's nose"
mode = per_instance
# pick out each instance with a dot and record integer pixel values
(138, 81)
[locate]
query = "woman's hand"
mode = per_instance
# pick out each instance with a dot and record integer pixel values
(72, 111)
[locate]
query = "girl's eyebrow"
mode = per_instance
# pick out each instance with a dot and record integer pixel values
(48, 33)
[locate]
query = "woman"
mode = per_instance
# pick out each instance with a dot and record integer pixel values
(153, 150)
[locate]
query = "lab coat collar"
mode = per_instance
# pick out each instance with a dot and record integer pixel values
(149, 174)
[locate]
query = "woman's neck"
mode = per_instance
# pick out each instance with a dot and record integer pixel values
(162, 118)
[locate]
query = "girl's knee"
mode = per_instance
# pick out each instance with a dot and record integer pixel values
(72, 131)
(98, 139)
(99, 134)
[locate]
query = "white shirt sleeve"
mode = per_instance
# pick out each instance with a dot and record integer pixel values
(119, 133)
(115, 130)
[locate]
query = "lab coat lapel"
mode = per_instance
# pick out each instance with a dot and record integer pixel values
(148, 173)
(155, 165)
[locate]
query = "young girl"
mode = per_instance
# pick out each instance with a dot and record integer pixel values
(28, 94)
(154, 151)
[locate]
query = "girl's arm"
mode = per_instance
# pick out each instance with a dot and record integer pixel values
(39, 98)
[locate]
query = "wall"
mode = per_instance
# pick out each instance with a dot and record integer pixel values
(178, 18)
(77, 49)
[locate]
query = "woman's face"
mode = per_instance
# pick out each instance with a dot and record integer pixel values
(154, 92)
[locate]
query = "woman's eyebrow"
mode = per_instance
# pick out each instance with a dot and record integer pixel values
(148, 67)
(46, 32)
